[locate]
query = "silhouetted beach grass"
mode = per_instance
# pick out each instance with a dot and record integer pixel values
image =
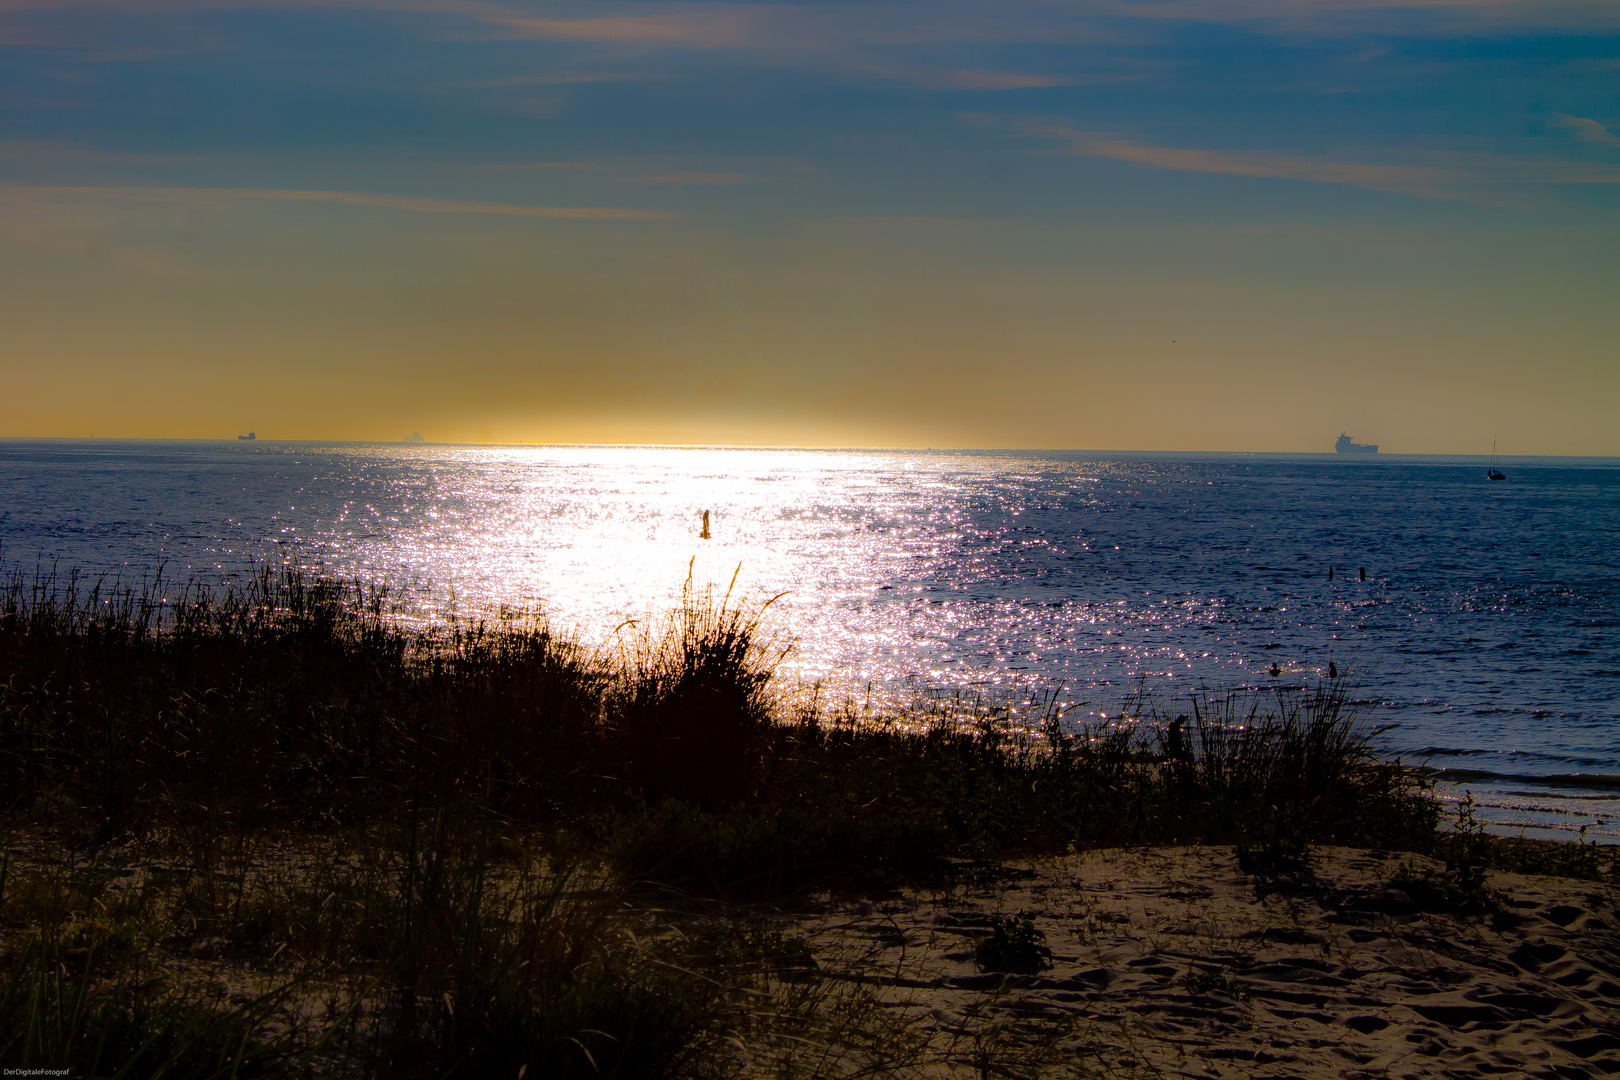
(296, 703)
(465, 849)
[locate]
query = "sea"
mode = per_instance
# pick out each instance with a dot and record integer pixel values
(1480, 619)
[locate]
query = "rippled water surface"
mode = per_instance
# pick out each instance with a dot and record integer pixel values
(1486, 625)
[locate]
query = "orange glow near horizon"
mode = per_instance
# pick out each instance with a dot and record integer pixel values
(878, 335)
(814, 224)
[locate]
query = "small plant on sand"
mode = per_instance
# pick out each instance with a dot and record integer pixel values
(1468, 850)
(1584, 859)
(1203, 983)
(1014, 945)
(1277, 854)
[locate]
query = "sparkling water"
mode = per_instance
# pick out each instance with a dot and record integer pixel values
(1485, 625)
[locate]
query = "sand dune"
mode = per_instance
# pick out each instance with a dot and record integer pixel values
(1329, 973)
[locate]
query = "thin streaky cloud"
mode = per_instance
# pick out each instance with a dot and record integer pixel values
(951, 79)
(1466, 177)
(697, 178)
(825, 32)
(415, 205)
(713, 28)
(915, 18)
(867, 66)
(834, 33)
(89, 50)
(1407, 179)
(1587, 130)
(566, 80)
(999, 80)
(406, 203)
(65, 153)
(540, 166)
(1550, 172)
(1562, 13)
(1480, 172)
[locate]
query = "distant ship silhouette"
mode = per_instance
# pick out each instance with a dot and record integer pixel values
(1345, 446)
(249, 437)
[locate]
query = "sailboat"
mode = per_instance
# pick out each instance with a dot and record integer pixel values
(1495, 473)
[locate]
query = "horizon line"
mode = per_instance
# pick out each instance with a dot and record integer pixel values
(825, 447)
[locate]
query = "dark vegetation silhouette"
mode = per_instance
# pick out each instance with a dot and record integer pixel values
(445, 835)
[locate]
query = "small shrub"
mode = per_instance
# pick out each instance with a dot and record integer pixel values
(1468, 850)
(1287, 854)
(691, 709)
(1014, 945)
(1438, 893)
(793, 959)
(1210, 982)
(1583, 859)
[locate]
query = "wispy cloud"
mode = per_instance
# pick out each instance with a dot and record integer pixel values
(368, 200)
(1408, 179)
(541, 166)
(711, 26)
(415, 205)
(998, 80)
(569, 80)
(1325, 13)
(932, 78)
(1505, 170)
(697, 178)
(1587, 130)
(1470, 177)
(38, 151)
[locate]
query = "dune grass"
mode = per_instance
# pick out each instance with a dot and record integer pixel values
(454, 851)
(297, 703)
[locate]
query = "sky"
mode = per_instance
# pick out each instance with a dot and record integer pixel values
(1218, 225)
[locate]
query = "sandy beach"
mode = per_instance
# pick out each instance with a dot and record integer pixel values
(1327, 973)
(510, 855)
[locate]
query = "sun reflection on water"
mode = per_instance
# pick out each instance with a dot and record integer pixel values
(596, 536)
(962, 572)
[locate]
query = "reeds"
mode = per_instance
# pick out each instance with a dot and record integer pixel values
(452, 836)
(55, 1015)
(690, 709)
(295, 702)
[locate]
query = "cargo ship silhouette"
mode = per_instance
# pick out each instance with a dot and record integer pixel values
(1345, 446)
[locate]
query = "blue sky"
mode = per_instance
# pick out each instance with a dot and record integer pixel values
(1082, 224)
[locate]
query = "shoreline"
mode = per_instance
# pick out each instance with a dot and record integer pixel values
(266, 831)
(1023, 596)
